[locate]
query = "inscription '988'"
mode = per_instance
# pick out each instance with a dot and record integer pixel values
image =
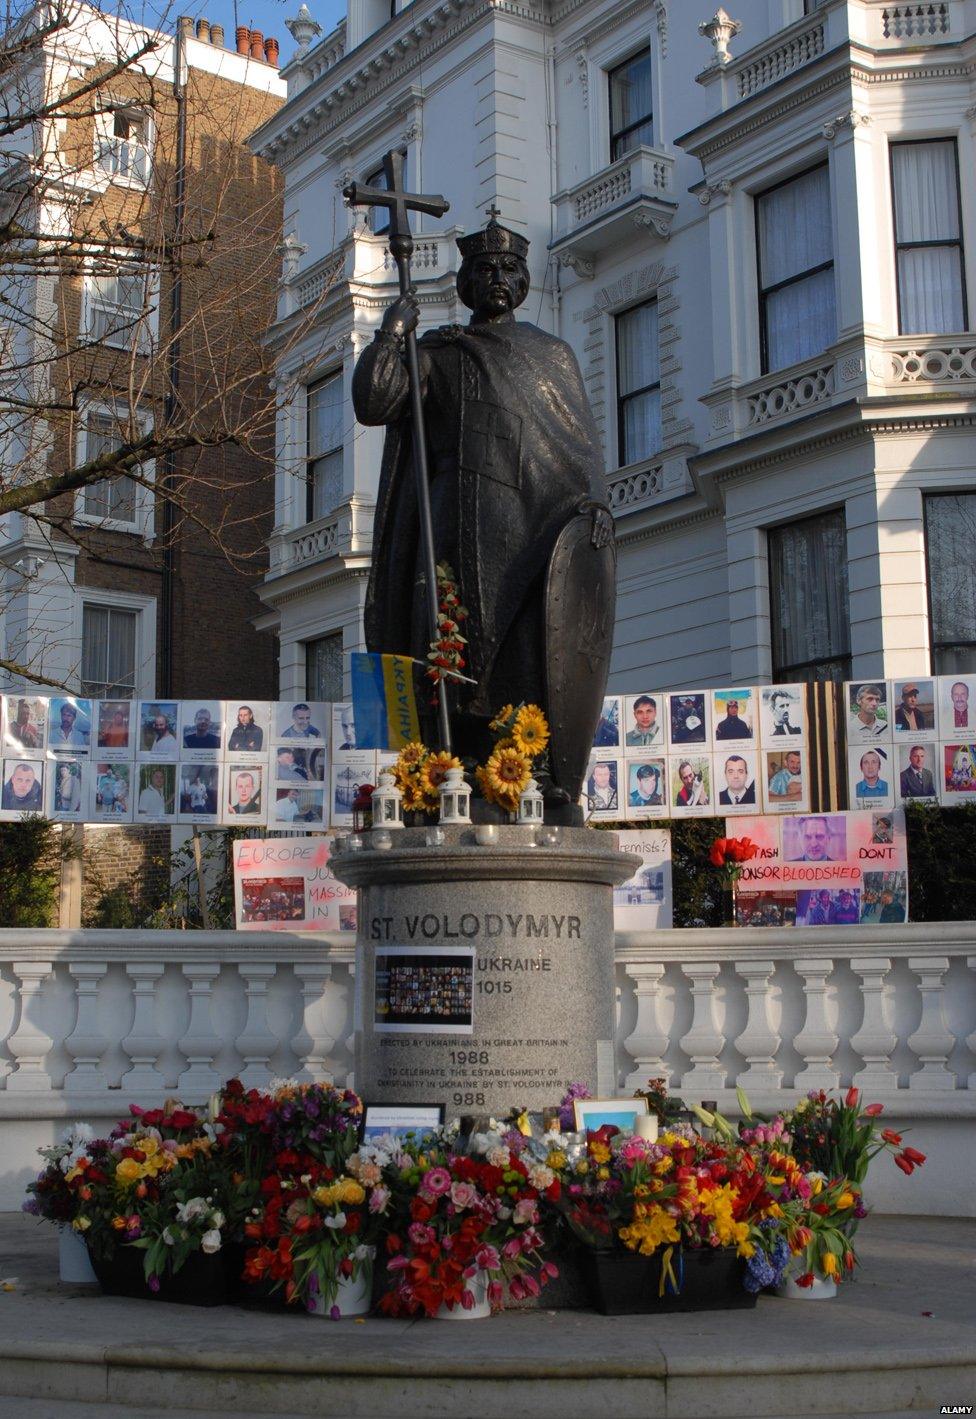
(470, 925)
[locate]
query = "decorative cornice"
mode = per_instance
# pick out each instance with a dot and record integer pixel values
(661, 19)
(581, 266)
(853, 119)
(714, 189)
(583, 70)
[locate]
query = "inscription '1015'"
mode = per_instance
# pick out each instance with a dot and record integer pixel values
(469, 925)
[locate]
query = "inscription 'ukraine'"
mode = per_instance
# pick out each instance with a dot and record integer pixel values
(470, 925)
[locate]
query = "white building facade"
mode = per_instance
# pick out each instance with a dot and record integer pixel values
(760, 240)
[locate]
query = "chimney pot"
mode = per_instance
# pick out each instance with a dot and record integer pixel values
(243, 39)
(257, 44)
(217, 35)
(185, 24)
(271, 51)
(203, 31)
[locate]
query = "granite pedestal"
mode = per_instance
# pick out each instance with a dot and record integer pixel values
(484, 970)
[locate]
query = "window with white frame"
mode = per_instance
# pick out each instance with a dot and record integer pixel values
(638, 383)
(121, 308)
(928, 237)
(324, 446)
(810, 618)
(950, 530)
(109, 648)
(122, 145)
(118, 502)
(797, 312)
(323, 667)
(631, 105)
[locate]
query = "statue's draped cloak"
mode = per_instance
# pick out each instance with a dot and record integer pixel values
(512, 453)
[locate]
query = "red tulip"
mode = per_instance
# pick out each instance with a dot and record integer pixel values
(914, 1156)
(807, 1279)
(873, 1110)
(851, 1098)
(890, 1136)
(717, 855)
(902, 1162)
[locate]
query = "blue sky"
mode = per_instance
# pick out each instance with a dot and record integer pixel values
(268, 16)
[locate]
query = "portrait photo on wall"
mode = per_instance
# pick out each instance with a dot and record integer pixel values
(291, 765)
(111, 800)
(913, 703)
(607, 734)
(647, 788)
(917, 769)
(781, 713)
(958, 772)
(765, 909)
(829, 906)
(868, 713)
(348, 777)
(297, 807)
(423, 992)
(68, 790)
(601, 790)
(116, 730)
(201, 727)
(22, 790)
(248, 727)
(343, 729)
(300, 719)
(69, 725)
(687, 718)
(24, 723)
(199, 790)
(644, 722)
(815, 837)
(243, 792)
(884, 898)
(785, 780)
(733, 714)
(691, 783)
(957, 706)
(735, 774)
(882, 829)
(158, 726)
(870, 776)
(157, 793)
(272, 899)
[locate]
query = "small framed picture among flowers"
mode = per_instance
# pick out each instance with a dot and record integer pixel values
(621, 1113)
(409, 1121)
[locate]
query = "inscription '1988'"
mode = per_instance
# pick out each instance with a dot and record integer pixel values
(470, 925)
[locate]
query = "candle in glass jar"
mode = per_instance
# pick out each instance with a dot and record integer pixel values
(645, 1126)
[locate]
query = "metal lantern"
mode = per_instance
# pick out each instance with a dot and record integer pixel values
(455, 798)
(362, 808)
(530, 805)
(387, 803)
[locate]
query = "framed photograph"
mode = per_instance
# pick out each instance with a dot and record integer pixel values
(815, 837)
(957, 707)
(158, 725)
(913, 703)
(644, 722)
(111, 792)
(69, 725)
(688, 719)
(601, 789)
(247, 729)
(407, 1121)
(884, 898)
(868, 714)
(22, 789)
(691, 785)
(785, 780)
(958, 772)
(348, 776)
(647, 788)
(594, 1113)
(782, 714)
(291, 765)
(347, 916)
(870, 776)
(201, 728)
(733, 715)
(298, 719)
(829, 906)
(156, 801)
(199, 793)
(24, 724)
(343, 729)
(917, 768)
(68, 789)
(115, 727)
(735, 773)
(607, 734)
(423, 992)
(244, 793)
(272, 899)
(882, 829)
(296, 807)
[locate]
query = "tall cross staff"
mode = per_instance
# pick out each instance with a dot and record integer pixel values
(400, 204)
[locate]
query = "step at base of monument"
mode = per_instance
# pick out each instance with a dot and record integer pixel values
(17, 1407)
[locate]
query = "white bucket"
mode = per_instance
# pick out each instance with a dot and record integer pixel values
(73, 1263)
(821, 1290)
(478, 1288)
(352, 1298)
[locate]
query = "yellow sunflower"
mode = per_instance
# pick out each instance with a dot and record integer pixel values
(434, 772)
(507, 773)
(530, 732)
(502, 718)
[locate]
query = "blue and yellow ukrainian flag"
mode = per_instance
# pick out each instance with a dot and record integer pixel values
(384, 703)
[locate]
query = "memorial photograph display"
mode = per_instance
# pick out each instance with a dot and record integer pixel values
(314, 900)
(644, 723)
(69, 725)
(607, 735)
(423, 992)
(647, 783)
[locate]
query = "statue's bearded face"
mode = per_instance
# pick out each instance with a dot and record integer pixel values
(493, 284)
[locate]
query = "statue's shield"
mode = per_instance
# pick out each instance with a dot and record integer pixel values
(581, 596)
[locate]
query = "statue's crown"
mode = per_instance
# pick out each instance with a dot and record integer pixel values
(491, 240)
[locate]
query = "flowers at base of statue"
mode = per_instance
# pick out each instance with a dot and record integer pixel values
(841, 1137)
(454, 1216)
(313, 1121)
(50, 1196)
(521, 739)
(567, 1115)
(666, 1107)
(173, 1230)
(446, 655)
(419, 773)
(729, 856)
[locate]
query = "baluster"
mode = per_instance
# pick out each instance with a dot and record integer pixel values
(143, 1044)
(256, 1044)
(758, 1042)
(649, 1041)
(86, 1043)
(312, 1043)
(971, 1039)
(875, 1040)
(704, 1041)
(29, 1043)
(816, 1042)
(350, 1041)
(932, 1041)
(200, 1043)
